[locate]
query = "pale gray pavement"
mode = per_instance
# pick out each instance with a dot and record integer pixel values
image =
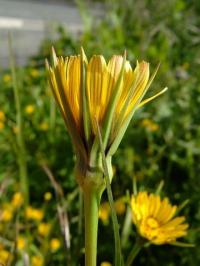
(30, 22)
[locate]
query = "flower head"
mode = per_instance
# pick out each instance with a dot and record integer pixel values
(155, 219)
(97, 92)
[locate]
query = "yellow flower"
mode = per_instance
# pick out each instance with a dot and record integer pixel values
(6, 215)
(37, 261)
(29, 109)
(34, 73)
(34, 214)
(15, 129)
(44, 126)
(7, 78)
(106, 263)
(4, 255)
(97, 91)
(47, 196)
(120, 206)
(104, 212)
(1, 125)
(2, 116)
(21, 242)
(155, 219)
(44, 229)
(150, 125)
(17, 200)
(54, 244)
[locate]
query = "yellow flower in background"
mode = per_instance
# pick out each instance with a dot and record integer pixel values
(150, 125)
(120, 206)
(29, 109)
(6, 215)
(15, 129)
(2, 125)
(37, 261)
(44, 229)
(21, 242)
(47, 196)
(17, 200)
(44, 126)
(4, 256)
(104, 212)
(2, 116)
(55, 244)
(98, 91)
(106, 263)
(34, 214)
(155, 219)
(34, 73)
(7, 78)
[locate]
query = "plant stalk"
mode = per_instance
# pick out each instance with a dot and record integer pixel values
(91, 198)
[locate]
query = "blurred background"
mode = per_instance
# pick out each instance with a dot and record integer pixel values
(37, 186)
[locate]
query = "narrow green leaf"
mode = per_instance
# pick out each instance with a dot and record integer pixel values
(112, 104)
(118, 254)
(182, 245)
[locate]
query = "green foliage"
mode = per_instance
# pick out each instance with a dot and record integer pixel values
(162, 142)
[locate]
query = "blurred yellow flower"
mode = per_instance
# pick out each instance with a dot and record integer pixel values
(15, 129)
(104, 212)
(44, 229)
(106, 263)
(34, 73)
(29, 109)
(149, 125)
(155, 219)
(37, 261)
(54, 244)
(120, 206)
(6, 215)
(4, 255)
(7, 78)
(21, 242)
(17, 200)
(2, 116)
(2, 125)
(47, 196)
(34, 214)
(44, 126)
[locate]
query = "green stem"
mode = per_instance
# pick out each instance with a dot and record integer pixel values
(91, 208)
(134, 252)
(22, 162)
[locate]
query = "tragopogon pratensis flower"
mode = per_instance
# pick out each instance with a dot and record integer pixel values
(98, 92)
(156, 219)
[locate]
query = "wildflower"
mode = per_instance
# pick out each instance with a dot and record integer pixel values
(2, 116)
(44, 126)
(155, 219)
(15, 129)
(4, 255)
(34, 73)
(44, 229)
(17, 200)
(104, 212)
(150, 125)
(106, 263)
(6, 215)
(108, 93)
(37, 261)
(55, 244)
(29, 109)
(7, 78)
(47, 196)
(120, 206)
(34, 214)
(21, 242)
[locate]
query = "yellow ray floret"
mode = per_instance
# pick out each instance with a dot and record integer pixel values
(155, 219)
